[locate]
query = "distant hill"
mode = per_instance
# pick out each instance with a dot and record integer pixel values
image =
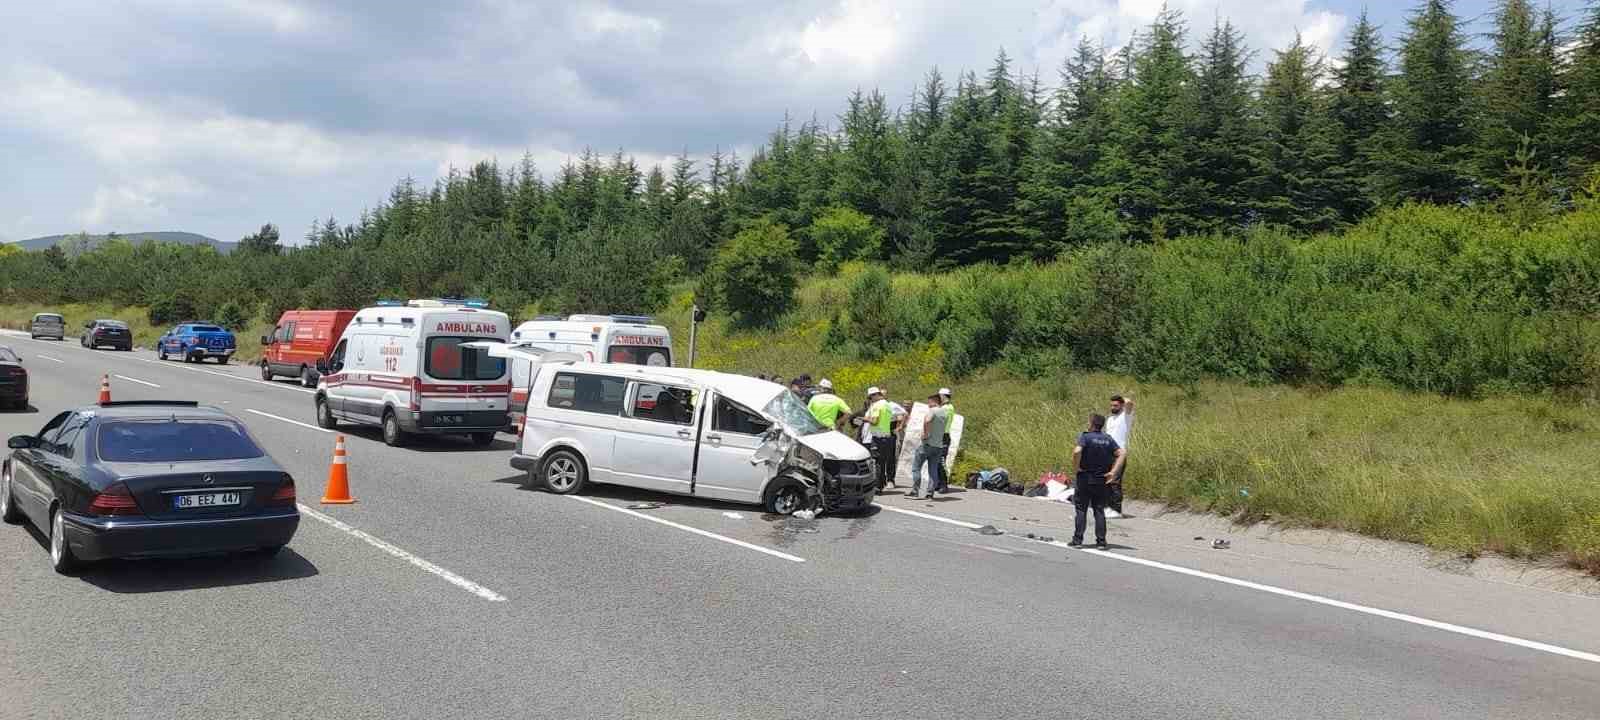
(182, 238)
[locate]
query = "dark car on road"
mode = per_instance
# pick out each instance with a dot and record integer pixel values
(195, 342)
(147, 479)
(13, 380)
(107, 333)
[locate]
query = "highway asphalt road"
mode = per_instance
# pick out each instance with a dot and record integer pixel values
(450, 590)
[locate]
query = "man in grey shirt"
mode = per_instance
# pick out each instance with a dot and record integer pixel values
(932, 450)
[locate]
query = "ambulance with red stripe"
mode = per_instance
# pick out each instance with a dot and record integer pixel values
(417, 368)
(630, 339)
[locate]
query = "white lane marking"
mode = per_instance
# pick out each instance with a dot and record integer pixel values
(926, 516)
(686, 528)
(47, 357)
(450, 577)
(135, 380)
(308, 426)
(1308, 597)
(1379, 612)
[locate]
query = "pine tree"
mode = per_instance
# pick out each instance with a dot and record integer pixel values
(1577, 126)
(1360, 111)
(867, 161)
(961, 147)
(1425, 150)
(1060, 191)
(1144, 158)
(1299, 184)
(996, 231)
(1517, 95)
(1222, 135)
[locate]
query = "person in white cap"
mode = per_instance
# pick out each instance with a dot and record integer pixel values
(878, 433)
(828, 408)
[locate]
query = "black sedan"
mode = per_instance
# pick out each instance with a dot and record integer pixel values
(107, 333)
(147, 479)
(13, 380)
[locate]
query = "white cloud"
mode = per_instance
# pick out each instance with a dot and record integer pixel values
(611, 20)
(861, 32)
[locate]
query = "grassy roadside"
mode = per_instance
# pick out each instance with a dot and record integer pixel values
(1512, 475)
(17, 317)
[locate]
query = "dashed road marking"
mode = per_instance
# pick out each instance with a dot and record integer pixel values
(927, 516)
(135, 380)
(390, 548)
(281, 418)
(51, 359)
(695, 530)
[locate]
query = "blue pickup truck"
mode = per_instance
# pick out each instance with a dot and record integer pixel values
(195, 342)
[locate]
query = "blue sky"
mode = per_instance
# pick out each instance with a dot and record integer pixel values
(216, 116)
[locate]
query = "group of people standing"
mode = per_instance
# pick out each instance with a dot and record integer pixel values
(881, 428)
(1098, 462)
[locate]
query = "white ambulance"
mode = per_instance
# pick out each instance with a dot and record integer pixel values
(412, 368)
(629, 339)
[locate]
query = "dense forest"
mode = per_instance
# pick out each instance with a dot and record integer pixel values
(1170, 136)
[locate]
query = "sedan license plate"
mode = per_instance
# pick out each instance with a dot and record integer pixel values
(190, 502)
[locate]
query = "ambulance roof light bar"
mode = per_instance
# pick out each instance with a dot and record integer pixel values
(626, 319)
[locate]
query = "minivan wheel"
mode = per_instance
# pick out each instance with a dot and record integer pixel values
(564, 473)
(325, 418)
(787, 500)
(393, 436)
(61, 558)
(307, 380)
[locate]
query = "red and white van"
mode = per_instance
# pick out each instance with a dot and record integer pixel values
(302, 339)
(414, 368)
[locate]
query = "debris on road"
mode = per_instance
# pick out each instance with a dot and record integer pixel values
(807, 514)
(1220, 544)
(990, 530)
(733, 516)
(1199, 537)
(646, 506)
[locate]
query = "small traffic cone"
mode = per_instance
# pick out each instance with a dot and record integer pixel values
(338, 491)
(105, 389)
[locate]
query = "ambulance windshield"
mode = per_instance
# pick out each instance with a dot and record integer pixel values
(640, 355)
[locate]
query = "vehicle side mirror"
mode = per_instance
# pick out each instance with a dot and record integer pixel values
(88, 325)
(266, 339)
(22, 442)
(322, 367)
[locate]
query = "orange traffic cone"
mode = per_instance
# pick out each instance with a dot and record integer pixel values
(338, 491)
(105, 389)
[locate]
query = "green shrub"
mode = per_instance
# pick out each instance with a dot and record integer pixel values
(232, 316)
(754, 274)
(873, 327)
(844, 233)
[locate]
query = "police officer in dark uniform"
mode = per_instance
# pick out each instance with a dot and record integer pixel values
(1097, 460)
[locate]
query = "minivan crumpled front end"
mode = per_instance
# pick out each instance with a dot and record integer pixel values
(839, 474)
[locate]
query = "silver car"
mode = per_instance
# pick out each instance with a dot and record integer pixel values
(48, 325)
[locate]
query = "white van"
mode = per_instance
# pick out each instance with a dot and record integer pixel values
(630, 339)
(413, 369)
(688, 432)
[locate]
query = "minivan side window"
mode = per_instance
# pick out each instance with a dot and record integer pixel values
(663, 403)
(588, 393)
(336, 360)
(729, 416)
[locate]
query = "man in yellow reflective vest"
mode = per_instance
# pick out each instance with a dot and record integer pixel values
(828, 408)
(878, 431)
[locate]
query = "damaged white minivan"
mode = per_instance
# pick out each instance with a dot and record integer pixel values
(687, 432)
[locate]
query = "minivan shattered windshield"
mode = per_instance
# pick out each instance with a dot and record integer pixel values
(792, 411)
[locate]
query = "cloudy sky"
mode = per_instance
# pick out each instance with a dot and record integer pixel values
(215, 116)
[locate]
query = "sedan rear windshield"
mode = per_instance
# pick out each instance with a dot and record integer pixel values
(447, 360)
(174, 440)
(47, 318)
(112, 324)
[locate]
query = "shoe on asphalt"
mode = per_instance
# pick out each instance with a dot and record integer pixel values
(1075, 542)
(1101, 545)
(1113, 514)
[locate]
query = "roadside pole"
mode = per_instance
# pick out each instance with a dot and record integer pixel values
(695, 316)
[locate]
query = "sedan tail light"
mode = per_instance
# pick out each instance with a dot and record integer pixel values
(114, 500)
(284, 495)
